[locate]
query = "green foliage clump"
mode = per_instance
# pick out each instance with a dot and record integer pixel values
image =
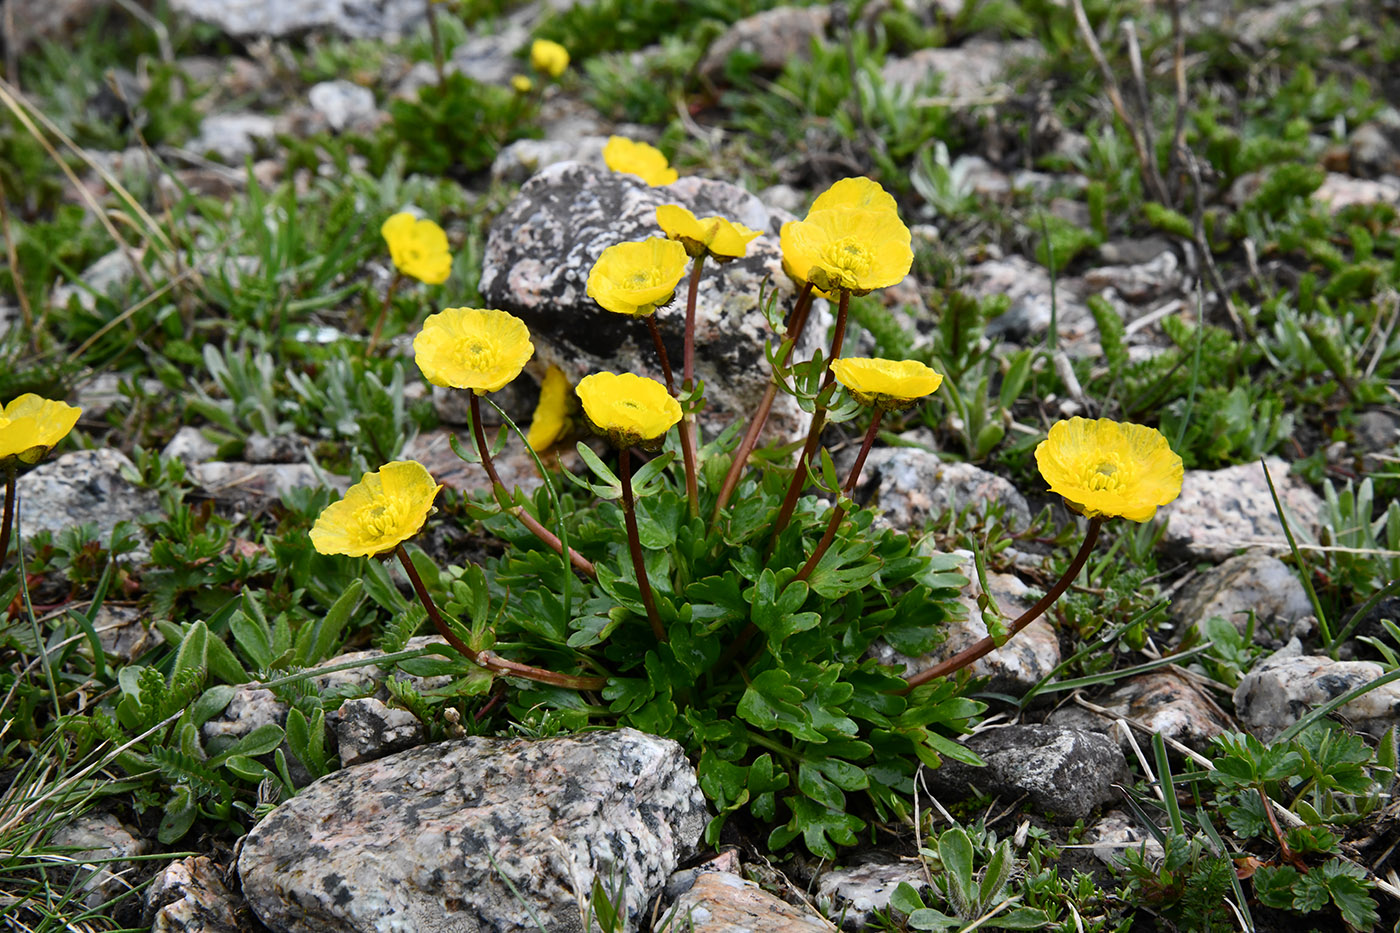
(458, 127)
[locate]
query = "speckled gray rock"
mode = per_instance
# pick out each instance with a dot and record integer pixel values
(1013, 668)
(543, 245)
(524, 157)
(191, 446)
(1221, 511)
(189, 896)
(275, 448)
(250, 484)
(1253, 581)
(852, 896)
(965, 73)
(1163, 701)
(723, 903)
(367, 729)
(233, 137)
(103, 277)
(1284, 686)
(768, 39)
(1064, 773)
(92, 838)
(1027, 284)
(426, 839)
(343, 104)
(1111, 836)
(1339, 191)
(84, 486)
(911, 486)
(362, 19)
(1154, 279)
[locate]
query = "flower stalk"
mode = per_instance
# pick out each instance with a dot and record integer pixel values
(973, 652)
(634, 542)
(688, 429)
(840, 512)
(437, 44)
(488, 660)
(388, 301)
(7, 523)
(580, 563)
(799, 475)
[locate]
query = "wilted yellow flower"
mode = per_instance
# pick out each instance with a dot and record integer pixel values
(548, 58)
(556, 407)
(716, 237)
(633, 158)
(472, 348)
(891, 385)
(418, 248)
(1109, 468)
(378, 513)
(627, 408)
(857, 193)
(522, 83)
(29, 428)
(633, 278)
(853, 249)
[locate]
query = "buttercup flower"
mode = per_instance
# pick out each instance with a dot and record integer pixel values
(855, 249)
(378, 513)
(418, 248)
(633, 278)
(627, 408)
(858, 193)
(633, 158)
(548, 58)
(716, 237)
(29, 428)
(891, 385)
(472, 348)
(1109, 468)
(522, 83)
(552, 415)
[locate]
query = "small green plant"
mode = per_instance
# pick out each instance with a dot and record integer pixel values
(457, 127)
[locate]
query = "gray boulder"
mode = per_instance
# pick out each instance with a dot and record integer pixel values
(769, 39)
(540, 251)
(1163, 701)
(360, 19)
(723, 903)
(1284, 686)
(477, 834)
(190, 896)
(912, 486)
(1221, 511)
(84, 486)
(1254, 581)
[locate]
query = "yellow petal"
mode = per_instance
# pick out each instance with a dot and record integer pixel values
(1107, 468)
(633, 278)
(548, 57)
(30, 426)
(855, 193)
(634, 158)
(851, 249)
(551, 418)
(628, 408)
(472, 348)
(378, 513)
(887, 384)
(418, 248)
(712, 236)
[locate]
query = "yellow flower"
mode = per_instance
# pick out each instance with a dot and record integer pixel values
(418, 248)
(553, 413)
(891, 385)
(633, 278)
(472, 348)
(713, 236)
(855, 249)
(627, 408)
(858, 193)
(29, 428)
(378, 513)
(548, 58)
(633, 158)
(1110, 468)
(522, 83)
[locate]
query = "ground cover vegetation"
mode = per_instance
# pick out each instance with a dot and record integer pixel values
(659, 584)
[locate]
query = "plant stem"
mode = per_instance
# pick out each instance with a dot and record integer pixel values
(437, 45)
(965, 657)
(839, 513)
(581, 563)
(689, 438)
(795, 327)
(8, 521)
(486, 659)
(661, 353)
(384, 312)
(814, 433)
(634, 543)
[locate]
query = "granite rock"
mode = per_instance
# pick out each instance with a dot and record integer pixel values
(79, 487)
(344, 105)
(524, 157)
(1163, 701)
(233, 137)
(911, 486)
(1111, 836)
(98, 846)
(1254, 581)
(103, 278)
(769, 39)
(723, 903)
(542, 246)
(1221, 511)
(964, 73)
(1063, 772)
(1281, 688)
(360, 19)
(190, 896)
(367, 729)
(435, 838)
(854, 895)
(1027, 284)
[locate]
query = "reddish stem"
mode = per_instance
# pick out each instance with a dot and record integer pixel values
(384, 312)
(839, 513)
(661, 353)
(8, 522)
(634, 543)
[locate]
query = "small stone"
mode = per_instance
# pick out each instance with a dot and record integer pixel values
(1374, 150)
(1377, 431)
(911, 486)
(1065, 773)
(52, 20)
(1111, 836)
(723, 903)
(1339, 191)
(1148, 281)
(768, 40)
(966, 73)
(367, 729)
(389, 20)
(1163, 701)
(103, 278)
(99, 838)
(233, 137)
(1255, 581)
(1284, 686)
(1133, 252)
(343, 104)
(786, 198)
(683, 880)
(252, 484)
(80, 487)
(106, 391)
(1222, 511)
(477, 833)
(854, 896)
(190, 896)
(490, 58)
(190, 446)
(976, 174)
(276, 448)
(524, 157)
(1027, 285)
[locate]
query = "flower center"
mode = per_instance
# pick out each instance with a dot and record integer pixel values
(848, 257)
(384, 517)
(643, 278)
(1107, 475)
